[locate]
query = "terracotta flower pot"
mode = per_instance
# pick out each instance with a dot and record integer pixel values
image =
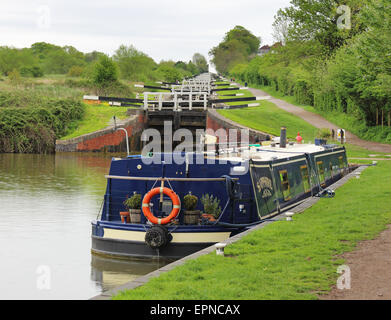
(209, 217)
(125, 216)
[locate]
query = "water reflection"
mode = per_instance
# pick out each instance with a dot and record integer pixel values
(110, 273)
(46, 205)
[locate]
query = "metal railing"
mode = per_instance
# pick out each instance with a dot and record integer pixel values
(180, 102)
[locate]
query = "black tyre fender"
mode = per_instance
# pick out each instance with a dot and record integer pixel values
(157, 237)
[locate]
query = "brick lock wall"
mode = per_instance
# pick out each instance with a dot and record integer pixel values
(107, 139)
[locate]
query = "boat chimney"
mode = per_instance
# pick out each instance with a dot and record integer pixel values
(283, 137)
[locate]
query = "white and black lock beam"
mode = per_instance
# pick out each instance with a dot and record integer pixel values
(238, 99)
(112, 99)
(152, 87)
(229, 89)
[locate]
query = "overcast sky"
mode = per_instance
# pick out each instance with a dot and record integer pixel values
(163, 29)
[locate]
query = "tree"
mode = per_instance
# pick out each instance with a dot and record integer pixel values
(360, 72)
(54, 59)
(246, 37)
(318, 20)
(182, 67)
(227, 54)
(105, 71)
(93, 56)
(192, 68)
(281, 26)
(168, 72)
(133, 64)
(238, 46)
(200, 62)
(15, 59)
(34, 71)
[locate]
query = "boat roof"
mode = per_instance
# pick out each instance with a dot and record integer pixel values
(257, 152)
(269, 153)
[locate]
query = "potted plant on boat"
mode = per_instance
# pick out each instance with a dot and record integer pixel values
(212, 209)
(190, 215)
(134, 205)
(323, 135)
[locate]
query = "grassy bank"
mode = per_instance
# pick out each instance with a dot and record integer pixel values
(285, 260)
(96, 117)
(269, 118)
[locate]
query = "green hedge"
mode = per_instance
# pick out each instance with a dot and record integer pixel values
(34, 129)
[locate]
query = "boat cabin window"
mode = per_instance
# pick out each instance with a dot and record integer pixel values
(285, 184)
(167, 206)
(321, 172)
(335, 169)
(341, 162)
(305, 178)
(331, 169)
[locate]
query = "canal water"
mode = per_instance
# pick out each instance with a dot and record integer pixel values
(47, 203)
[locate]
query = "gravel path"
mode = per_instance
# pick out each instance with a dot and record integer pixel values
(319, 122)
(370, 273)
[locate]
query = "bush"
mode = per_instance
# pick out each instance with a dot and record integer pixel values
(105, 72)
(117, 88)
(169, 73)
(134, 202)
(34, 71)
(14, 77)
(75, 71)
(211, 205)
(324, 133)
(303, 92)
(190, 202)
(79, 83)
(34, 128)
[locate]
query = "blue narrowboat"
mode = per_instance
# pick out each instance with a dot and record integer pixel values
(248, 184)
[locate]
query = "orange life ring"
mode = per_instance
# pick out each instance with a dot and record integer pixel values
(175, 202)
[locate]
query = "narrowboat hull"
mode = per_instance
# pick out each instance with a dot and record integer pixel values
(129, 241)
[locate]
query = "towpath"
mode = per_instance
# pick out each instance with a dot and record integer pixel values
(369, 267)
(320, 122)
